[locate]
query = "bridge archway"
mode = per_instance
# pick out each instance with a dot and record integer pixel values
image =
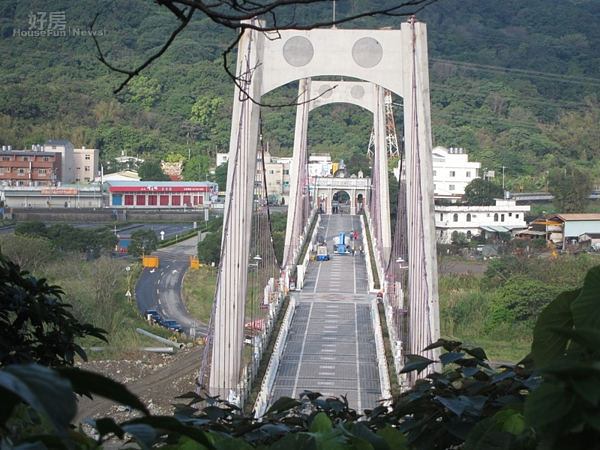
(353, 190)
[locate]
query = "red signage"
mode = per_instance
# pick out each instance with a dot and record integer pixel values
(165, 189)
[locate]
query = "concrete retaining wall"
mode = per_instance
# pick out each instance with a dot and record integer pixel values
(70, 215)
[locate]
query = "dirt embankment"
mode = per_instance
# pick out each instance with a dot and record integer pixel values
(156, 379)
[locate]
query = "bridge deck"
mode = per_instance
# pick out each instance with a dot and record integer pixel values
(331, 347)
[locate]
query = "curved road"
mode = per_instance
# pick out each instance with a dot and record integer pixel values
(160, 289)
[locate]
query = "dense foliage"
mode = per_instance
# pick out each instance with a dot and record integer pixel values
(67, 238)
(571, 188)
(35, 324)
(508, 84)
(548, 400)
(480, 192)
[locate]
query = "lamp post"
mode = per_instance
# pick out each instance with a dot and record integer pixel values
(128, 294)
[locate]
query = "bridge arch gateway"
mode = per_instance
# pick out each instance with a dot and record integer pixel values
(395, 60)
(327, 187)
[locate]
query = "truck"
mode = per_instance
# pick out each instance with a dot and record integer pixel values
(339, 244)
(322, 253)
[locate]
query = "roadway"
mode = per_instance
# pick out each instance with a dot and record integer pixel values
(331, 348)
(160, 289)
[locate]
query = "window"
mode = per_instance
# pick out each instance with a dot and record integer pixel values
(25, 158)
(271, 172)
(86, 168)
(455, 218)
(42, 172)
(1, 170)
(496, 217)
(468, 217)
(286, 172)
(509, 214)
(6, 158)
(46, 158)
(501, 217)
(88, 157)
(452, 173)
(435, 173)
(469, 234)
(77, 168)
(452, 187)
(517, 216)
(441, 216)
(468, 174)
(21, 171)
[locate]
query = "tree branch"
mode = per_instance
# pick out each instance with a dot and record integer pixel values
(239, 14)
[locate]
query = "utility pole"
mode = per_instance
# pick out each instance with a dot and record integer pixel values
(503, 178)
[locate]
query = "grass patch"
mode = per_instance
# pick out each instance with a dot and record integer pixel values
(198, 292)
(464, 313)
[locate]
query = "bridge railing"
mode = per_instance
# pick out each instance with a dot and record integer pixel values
(303, 265)
(273, 296)
(395, 339)
(263, 397)
(384, 376)
(376, 252)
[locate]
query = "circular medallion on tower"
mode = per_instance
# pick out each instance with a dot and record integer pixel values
(325, 91)
(298, 51)
(367, 52)
(357, 92)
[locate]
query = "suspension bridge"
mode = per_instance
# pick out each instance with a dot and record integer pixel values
(330, 339)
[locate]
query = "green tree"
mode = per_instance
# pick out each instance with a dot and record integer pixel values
(571, 188)
(209, 250)
(143, 91)
(35, 228)
(31, 251)
(206, 110)
(520, 299)
(221, 176)
(143, 242)
(150, 171)
(480, 192)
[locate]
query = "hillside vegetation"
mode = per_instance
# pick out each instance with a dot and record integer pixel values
(515, 83)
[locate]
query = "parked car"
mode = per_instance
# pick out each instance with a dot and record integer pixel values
(153, 314)
(171, 324)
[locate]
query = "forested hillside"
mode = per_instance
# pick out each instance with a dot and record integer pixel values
(515, 83)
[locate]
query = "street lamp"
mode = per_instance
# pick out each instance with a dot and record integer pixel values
(128, 294)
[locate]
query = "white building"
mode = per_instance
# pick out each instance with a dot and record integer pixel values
(66, 150)
(277, 174)
(452, 172)
(504, 217)
(79, 165)
(222, 158)
(320, 165)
